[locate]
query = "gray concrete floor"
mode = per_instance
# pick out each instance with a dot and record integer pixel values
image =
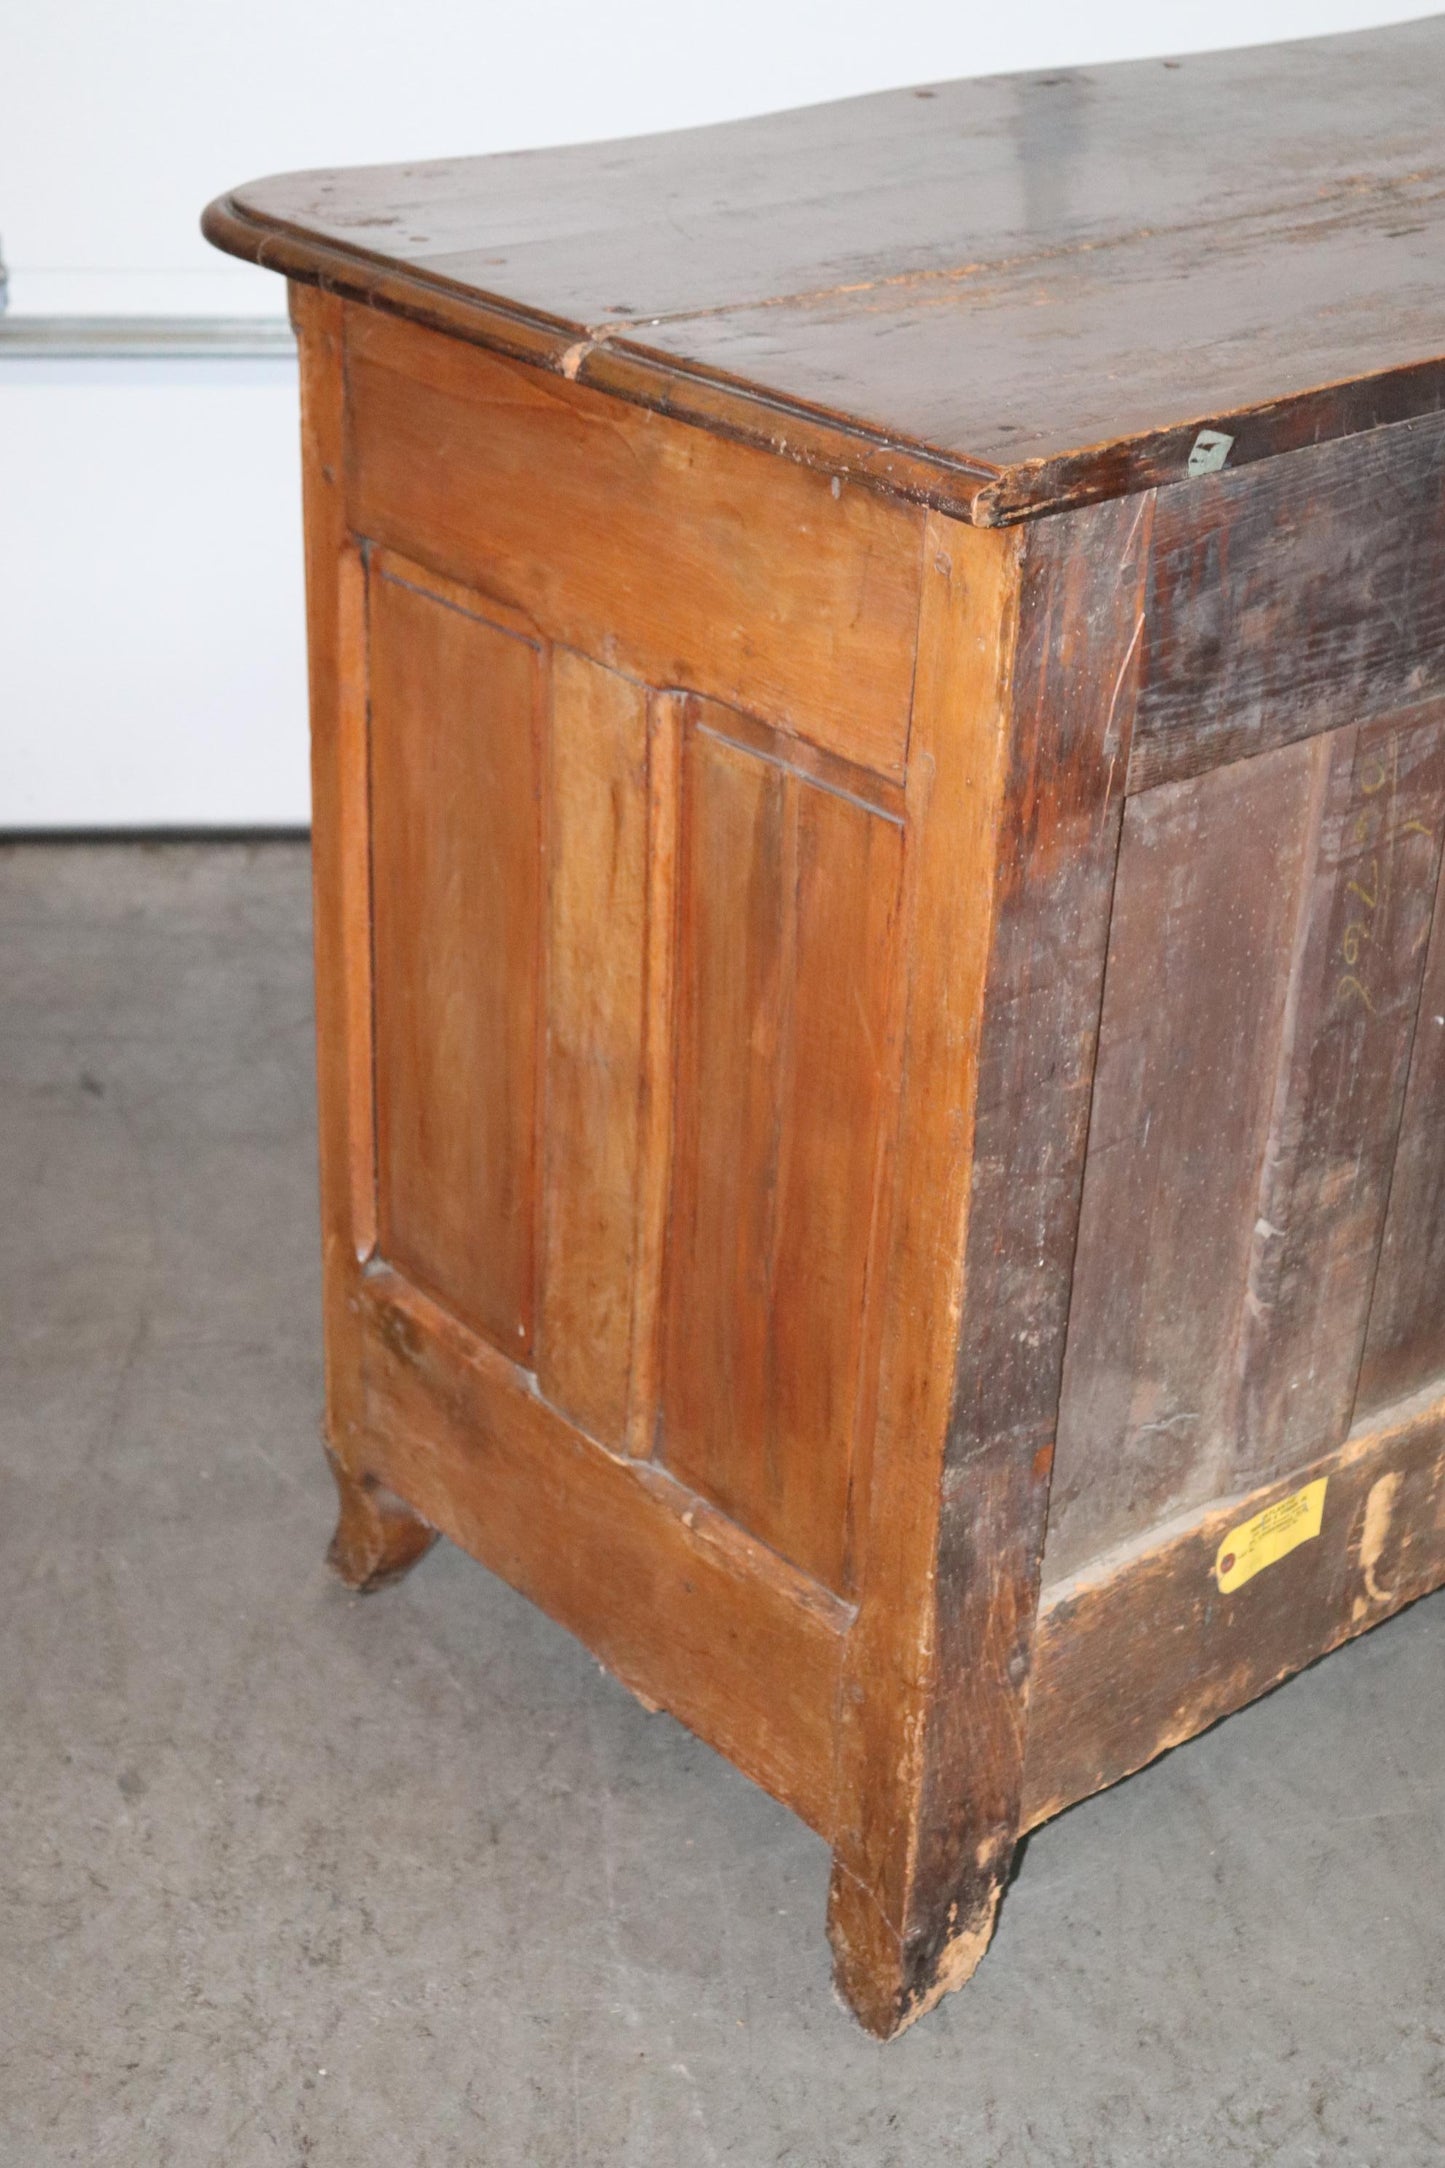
(291, 1876)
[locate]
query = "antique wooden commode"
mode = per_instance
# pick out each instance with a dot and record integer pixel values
(879, 703)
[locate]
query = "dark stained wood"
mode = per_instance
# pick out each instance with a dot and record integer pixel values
(1205, 911)
(659, 550)
(1144, 1651)
(788, 897)
(1405, 1345)
(595, 1001)
(886, 284)
(1292, 598)
(689, 1612)
(1265, 970)
(455, 716)
(1350, 1023)
(939, 1663)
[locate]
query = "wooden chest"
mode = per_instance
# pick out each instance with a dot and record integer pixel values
(879, 707)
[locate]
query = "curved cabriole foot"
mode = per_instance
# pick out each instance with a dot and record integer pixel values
(888, 1980)
(378, 1536)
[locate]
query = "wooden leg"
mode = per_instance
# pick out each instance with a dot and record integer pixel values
(378, 1537)
(888, 1978)
(1007, 972)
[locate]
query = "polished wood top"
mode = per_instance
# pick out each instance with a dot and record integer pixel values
(1001, 296)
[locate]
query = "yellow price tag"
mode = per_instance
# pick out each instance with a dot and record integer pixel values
(1270, 1535)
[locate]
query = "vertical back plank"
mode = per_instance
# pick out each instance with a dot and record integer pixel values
(1026, 674)
(456, 878)
(1405, 1343)
(788, 893)
(597, 822)
(1350, 1022)
(1205, 906)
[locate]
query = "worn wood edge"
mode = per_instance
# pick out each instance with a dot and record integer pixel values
(336, 605)
(957, 777)
(1146, 1612)
(739, 1645)
(965, 487)
(596, 356)
(1158, 459)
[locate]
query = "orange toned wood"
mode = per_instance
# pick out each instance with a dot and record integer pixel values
(455, 715)
(664, 791)
(1027, 673)
(378, 1537)
(688, 1610)
(966, 646)
(656, 548)
(340, 854)
(784, 1071)
(597, 818)
(769, 1118)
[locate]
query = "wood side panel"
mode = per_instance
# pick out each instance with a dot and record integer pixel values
(788, 894)
(687, 1610)
(1295, 596)
(665, 723)
(1350, 1024)
(1025, 706)
(1204, 917)
(597, 818)
(1405, 1345)
(1145, 1651)
(456, 878)
(671, 553)
(337, 662)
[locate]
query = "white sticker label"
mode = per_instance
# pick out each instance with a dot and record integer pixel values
(1211, 449)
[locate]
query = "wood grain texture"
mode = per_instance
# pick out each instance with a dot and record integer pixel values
(1294, 598)
(456, 709)
(1350, 1022)
(1144, 1651)
(1405, 1344)
(340, 855)
(665, 722)
(1248, 240)
(597, 818)
(657, 548)
(788, 894)
(1264, 979)
(1026, 771)
(687, 1610)
(378, 1537)
(1205, 912)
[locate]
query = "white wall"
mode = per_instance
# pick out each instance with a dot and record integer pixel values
(152, 668)
(149, 565)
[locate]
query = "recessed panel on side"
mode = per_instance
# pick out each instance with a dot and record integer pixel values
(784, 1084)
(597, 934)
(455, 704)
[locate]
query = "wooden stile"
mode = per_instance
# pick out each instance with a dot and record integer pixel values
(880, 934)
